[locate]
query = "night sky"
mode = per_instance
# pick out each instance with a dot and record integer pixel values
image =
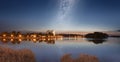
(67, 15)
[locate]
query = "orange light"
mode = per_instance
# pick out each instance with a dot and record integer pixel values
(19, 39)
(12, 35)
(20, 35)
(4, 35)
(34, 35)
(4, 39)
(11, 39)
(34, 39)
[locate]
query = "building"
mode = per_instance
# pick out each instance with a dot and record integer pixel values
(50, 32)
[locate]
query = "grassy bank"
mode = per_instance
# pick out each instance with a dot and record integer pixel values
(11, 55)
(81, 58)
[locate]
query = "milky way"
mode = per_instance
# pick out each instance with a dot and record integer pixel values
(64, 9)
(62, 20)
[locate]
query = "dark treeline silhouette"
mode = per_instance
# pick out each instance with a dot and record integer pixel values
(97, 37)
(118, 30)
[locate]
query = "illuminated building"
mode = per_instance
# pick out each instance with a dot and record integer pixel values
(50, 32)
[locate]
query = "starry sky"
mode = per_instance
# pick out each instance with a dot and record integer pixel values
(66, 15)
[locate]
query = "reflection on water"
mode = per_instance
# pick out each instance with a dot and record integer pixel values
(96, 41)
(49, 41)
(108, 51)
(19, 40)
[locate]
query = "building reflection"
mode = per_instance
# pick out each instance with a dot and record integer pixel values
(34, 40)
(4, 40)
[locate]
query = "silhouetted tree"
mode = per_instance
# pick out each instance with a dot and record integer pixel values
(97, 35)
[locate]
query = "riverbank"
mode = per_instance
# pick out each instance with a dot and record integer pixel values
(11, 55)
(81, 58)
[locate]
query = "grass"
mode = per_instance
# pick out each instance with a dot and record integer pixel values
(11, 55)
(81, 58)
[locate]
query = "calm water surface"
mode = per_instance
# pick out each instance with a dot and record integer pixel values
(108, 51)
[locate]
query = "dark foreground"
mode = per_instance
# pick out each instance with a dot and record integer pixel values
(81, 58)
(25, 55)
(10, 55)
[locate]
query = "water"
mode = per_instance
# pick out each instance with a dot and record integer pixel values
(108, 51)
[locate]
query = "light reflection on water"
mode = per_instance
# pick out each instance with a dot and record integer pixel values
(45, 51)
